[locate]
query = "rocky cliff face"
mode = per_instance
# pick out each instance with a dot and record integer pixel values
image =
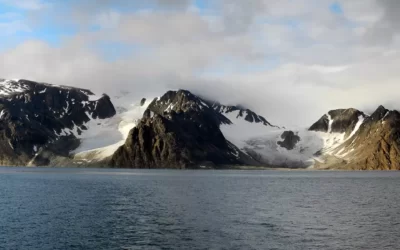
(375, 146)
(338, 121)
(179, 130)
(240, 112)
(39, 121)
(289, 140)
(48, 125)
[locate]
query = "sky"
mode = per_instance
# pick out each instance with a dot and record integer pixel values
(289, 60)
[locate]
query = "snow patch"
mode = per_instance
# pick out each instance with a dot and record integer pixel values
(330, 123)
(2, 113)
(104, 137)
(9, 87)
(358, 125)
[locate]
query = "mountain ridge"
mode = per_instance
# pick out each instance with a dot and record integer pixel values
(49, 125)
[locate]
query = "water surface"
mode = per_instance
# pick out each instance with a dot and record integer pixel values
(167, 209)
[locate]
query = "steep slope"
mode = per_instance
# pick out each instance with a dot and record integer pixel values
(43, 124)
(239, 112)
(299, 148)
(179, 130)
(339, 121)
(40, 122)
(104, 137)
(375, 145)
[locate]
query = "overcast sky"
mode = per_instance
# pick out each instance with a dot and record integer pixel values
(289, 60)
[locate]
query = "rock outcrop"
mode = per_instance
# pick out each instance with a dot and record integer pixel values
(338, 121)
(179, 130)
(375, 146)
(290, 139)
(40, 120)
(49, 125)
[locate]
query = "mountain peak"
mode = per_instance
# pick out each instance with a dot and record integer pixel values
(339, 121)
(380, 113)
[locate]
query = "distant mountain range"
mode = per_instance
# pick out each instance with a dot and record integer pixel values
(50, 125)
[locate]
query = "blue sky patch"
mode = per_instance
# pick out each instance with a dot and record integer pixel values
(336, 8)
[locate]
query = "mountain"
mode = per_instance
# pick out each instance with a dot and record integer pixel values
(339, 121)
(50, 125)
(40, 122)
(374, 146)
(179, 130)
(182, 130)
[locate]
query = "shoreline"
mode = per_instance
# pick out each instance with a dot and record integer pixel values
(226, 168)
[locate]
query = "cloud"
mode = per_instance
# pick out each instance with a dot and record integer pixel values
(380, 18)
(291, 61)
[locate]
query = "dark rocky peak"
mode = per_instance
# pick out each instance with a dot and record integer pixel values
(380, 113)
(143, 101)
(41, 115)
(178, 101)
(175, 140)
(240, 112)
(17, 87)
(338, 121)
(62, 101)
(322, 125)
(183, 101)
(179, 130)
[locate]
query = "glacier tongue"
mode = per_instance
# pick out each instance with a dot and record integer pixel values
(252, 135)
(104, 137)
(261, 142)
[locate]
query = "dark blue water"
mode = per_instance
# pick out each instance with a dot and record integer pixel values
(123, 209)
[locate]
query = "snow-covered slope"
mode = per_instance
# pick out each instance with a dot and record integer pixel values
(43, 124)
(251, 133)
(40, 122)
(263, 142)
(104, 137)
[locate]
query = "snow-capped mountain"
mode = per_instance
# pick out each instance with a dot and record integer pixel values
(374, 144)
(40, 122)
(248, 138)
(43, 124)
(179, 130)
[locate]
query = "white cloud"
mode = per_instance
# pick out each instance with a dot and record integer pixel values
(291, 61)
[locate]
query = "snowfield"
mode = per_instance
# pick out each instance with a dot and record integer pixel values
(104, 137)
(257, 140)
(261, 142)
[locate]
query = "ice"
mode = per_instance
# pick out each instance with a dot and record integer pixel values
(260, 142)
(104, 137)
(242, 130)
(330, 123)
(358, 125)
